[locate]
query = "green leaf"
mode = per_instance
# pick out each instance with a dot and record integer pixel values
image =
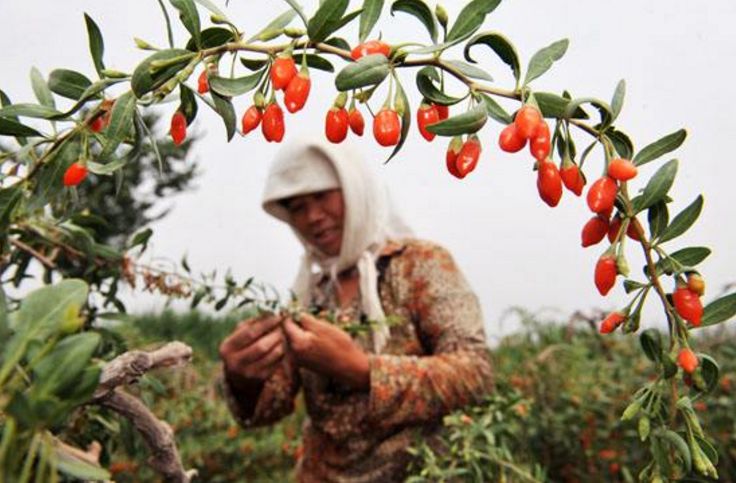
(107, 168)
(298, 9)
(92, 92)
(316, 62)
(367, 71)
(369, 17)
(4, 327)
(225, 109)
(651, 344)
(720, 310)
(211, 7)
(428, 89)
(554, 106)
(658, 186)
(470, 70)
(69, 83)
(29, 110)
(544, 58)
(658, 217)
(326, 20)
(9, 198)
(501, 46)
(41, 89)
(710, 452)
(603, 108)
(4, 102)
(683, 221)
(710, 370)
(470, 18)
(466, 123)
(617, 103)
(685, 257)
(277, 25)
(8, 127)
(121, 122)
(141, 238)
(49, 178)
(188, 103)
(65, 363)
(144, 81)
(621, 143)
(235, 87)
(405, 120)
(75, 467)
(420, 10)
(96, 44)
(253, 64)
(679, 444)
(495, 110)
(632, 285)
(211, 37)
(660, 147)
(338, 42)
(190, 18)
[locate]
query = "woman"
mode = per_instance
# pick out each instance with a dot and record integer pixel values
(370, 395)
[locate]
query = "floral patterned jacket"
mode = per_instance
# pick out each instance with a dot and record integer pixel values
(436, 360)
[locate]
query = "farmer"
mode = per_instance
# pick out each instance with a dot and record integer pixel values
(369, 393)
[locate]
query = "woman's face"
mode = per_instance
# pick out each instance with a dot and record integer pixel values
(318, 217)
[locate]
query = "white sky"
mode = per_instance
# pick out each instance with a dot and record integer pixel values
(675, 55)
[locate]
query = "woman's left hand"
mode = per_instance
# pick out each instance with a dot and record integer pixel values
(321, 347)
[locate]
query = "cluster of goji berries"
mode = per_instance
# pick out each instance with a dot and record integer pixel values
(77, 171)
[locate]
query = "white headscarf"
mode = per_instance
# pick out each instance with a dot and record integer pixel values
(307, 166)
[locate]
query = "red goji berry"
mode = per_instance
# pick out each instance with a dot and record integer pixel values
(572, 178)
(443, 111)
(696, 283)
(539, 142)
(467, 158)
(453, 149)
(370, 47)
(283, 71)
(605, 274)
(251, 119)
(612, 322)
(75, 174)
(387, 127)
(296, 93)
(688, 305)
(357, 123)
(549, 183)
(510, 141)
(621, 169)
(203, 84)
(594, 231)
(526, 120)
(272, 123)
(336, 124)
(687, 360)
(427, 114)
(602, 194)
(178, 129)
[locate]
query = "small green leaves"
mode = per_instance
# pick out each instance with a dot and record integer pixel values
(466, 123)
(327, 19)
(651, 343)
(189, 17)
(603, 108)
(275, 27)
(237, 86)
(720, 310)
(9, 127)
(430, 91)
(29, 110)
(405, 118)
(68, 83)
(369, 17)
(495, 111)
(660, 147)
(211, 37)
(224, 107)
(683, 221)
(121, 122)
(41, 89)
(187, 103)
(685, 257)
(420, 10)
(96, 44)
(316, 62)
(542, 61)
(367, 71)
(658, 217)
(711, 372)
(470, 19)
(658, 186)
(621, 142)
(501, 46)
(617, 103)
(554, 106)
(144, 81)
(469, 70)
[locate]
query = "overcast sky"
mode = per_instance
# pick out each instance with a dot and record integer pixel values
(677, 57)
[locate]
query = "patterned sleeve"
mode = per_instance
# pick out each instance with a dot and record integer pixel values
(457, 371)
(275, 401)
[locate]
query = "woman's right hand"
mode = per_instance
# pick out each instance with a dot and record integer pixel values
(254, 349)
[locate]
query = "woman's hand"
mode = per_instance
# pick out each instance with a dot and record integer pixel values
(254, 350)
(321, 347)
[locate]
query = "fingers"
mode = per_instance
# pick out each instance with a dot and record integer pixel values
(257, 350)
(265, 366)
(294, 334)
(247, 332)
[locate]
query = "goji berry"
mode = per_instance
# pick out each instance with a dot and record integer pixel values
(75, 174)
(526, 120)
(387, 127)
(272, 123)
(453, 149)
(688, 305)
(467, 158)
(621, 169)
(510, 141)
(572, 178)
(602, 194)
(357, 123)
(97, 124)
(539, 142)
(696, 283)
(427, 114)
(605, 274)
(283, 71)
(251, 119)
(612, 322)
(594, 231)
(336, 124)
(687, 360)
(203, 84)
(549, 183)
(370, 47)
(296, 93)
(178, 129)
(443, 111)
